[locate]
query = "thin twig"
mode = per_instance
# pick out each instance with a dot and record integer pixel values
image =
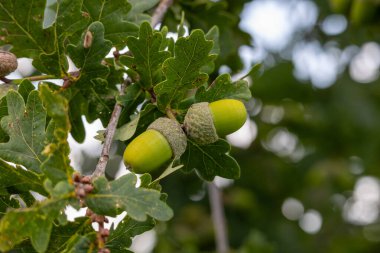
(110, 132)
(160, 11)
(5, 80)
(218, 218)
(111, 128)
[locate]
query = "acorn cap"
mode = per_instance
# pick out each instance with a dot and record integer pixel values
(8, 63)
(199, 124)
(173, 133)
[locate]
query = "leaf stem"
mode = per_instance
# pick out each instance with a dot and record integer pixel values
(218, 218)
(160, 11)
(30, 78)
(110, 132)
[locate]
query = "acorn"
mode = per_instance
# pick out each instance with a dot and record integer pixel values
(8, 63)
(205, 122)
(163, 140)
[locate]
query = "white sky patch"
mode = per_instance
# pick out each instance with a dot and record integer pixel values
(244, 137)
(311, 222)
(292, 209)
(274, 23)
(364, 67)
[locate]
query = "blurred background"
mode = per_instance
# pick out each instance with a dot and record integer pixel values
(310, 151)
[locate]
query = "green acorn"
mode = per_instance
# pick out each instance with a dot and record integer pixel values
(163, 140)
(205, 122)
(8, 63)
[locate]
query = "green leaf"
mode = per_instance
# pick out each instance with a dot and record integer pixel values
(77, 107)
(57, 165)
(169, 170)
(77, 236)
(120, 238)
(223, 87)
(20, 179)
(25, 88)
(89, 60)
(92, 80)
(213, 35)
(3, 112)
(141, 121)
(147, 56)
(101, 101)
(254, 72)
(25, 126)
(113, 15)
(136, 14)
(23, 29)
(69, 21)
(111, 198)
(34, 223)
(127, 131)
(210, 160)
(21, 26)
(138, 124)
(183, 70)
(134, 96)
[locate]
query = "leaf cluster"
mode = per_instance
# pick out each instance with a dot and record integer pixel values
(104, 41)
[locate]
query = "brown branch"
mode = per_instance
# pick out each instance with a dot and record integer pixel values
(111, 128)
(218, 218)
(5, 80)
(160, 11)
(110, 132)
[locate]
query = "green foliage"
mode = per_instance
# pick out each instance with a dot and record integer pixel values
(212, 160)
(122, 195)
(120, 238)
(223, 87)
(165, 76)
(147, 56)
(183, 70)
(25, 125)
(113, 15)
(34, 222)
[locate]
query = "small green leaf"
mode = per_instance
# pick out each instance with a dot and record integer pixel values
(183, 70)
(113, 15)
(111, 198)
(25, 126)
(223, 87)
(120, 239)
(213, 34)
(169, 170)
(92, 80)
(25, 87)
(254, 72)
(57, 165)
(89, 60)
(138, 124)
(210, 160)
(147, 57)
(134, 96)
(127, 131)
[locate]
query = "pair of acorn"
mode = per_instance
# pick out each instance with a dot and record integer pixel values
(166, 139)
